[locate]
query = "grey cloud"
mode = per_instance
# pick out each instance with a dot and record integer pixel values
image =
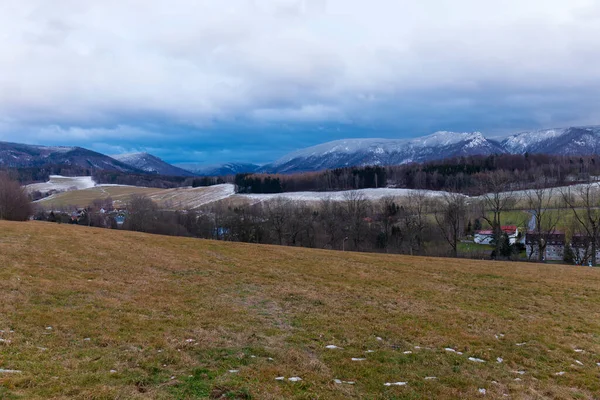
(71, 63)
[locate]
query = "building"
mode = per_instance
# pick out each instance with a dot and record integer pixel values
(555, 246)
(582, 247)
(487, 236)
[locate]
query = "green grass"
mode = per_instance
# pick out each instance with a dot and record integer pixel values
(172, 317)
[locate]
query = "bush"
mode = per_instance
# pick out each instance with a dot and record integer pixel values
(14, 202)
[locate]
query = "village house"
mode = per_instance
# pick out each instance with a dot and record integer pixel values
(582, 247)
(487, 236)
(555, 246)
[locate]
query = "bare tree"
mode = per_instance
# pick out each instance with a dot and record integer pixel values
(14, 202)
(540, 203)
(584, 202)
(414, 220)
(388, 216)
(331, 217)
(142, 214)
(356, 207)
(278, 212)
(450, 218)
(497, 198)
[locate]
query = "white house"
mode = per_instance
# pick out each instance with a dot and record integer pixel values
(487, 236)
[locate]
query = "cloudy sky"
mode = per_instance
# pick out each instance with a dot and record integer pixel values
(250, 80)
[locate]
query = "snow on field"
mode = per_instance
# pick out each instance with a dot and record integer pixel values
(62, 184)
(190, 198)
(371, 194)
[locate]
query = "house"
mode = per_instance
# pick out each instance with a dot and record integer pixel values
(582, 247)
(555, 246)
(487, 236)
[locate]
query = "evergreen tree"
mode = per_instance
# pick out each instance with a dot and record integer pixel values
(569, 255)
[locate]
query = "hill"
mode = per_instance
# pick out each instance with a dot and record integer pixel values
(383, 152)
(359, 152)
(91, 313)
(152, 164)
(15, 155)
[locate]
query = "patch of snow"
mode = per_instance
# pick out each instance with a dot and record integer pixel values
(234, 371)
(561, 373)
(332, 347)
(408, 352)
(280, 378)
(294, 379)
(62, 184)
(430, 378)
(395, 384)
(482, 391)
(370, 194)
(500, 360)
(474, 359)
(9, 371)
(579, 362)
(520, 344)
(358, 359)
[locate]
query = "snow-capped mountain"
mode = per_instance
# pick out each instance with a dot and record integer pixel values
(151, 164)
(564, 141)
(15, 155)
(220, 169)
(360, 152)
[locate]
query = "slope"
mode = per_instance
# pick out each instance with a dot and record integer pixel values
(15, 155)
(90, 313)
(152, 164)
(358, 152)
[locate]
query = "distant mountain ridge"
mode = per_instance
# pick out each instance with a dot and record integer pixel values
(16, 155)
(151, 164)
(362, 152)
(571, 141)
(220, 169)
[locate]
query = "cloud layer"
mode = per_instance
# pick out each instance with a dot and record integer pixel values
(187, 73)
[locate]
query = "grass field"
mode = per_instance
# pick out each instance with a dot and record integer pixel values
(100, 314)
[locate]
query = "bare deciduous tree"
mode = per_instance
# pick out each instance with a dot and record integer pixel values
(356, 211)
(540, 203)
(584, 202)
(498, 198)
(14, 202)
(450, 217)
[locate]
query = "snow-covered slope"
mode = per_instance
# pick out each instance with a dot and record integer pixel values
(62, 184)
(220, 169)
(151, 164)
(358, 152)
(564, 141)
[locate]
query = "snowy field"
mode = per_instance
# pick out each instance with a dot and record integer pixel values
(62, 184)
(370, 194)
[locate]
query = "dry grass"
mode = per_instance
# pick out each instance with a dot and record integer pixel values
(270, 311)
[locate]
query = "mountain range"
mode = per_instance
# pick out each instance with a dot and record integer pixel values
(583, 140)
(15, 155)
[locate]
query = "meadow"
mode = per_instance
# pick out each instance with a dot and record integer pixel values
(101, 314)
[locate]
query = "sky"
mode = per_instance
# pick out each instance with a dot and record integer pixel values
(207, 81)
